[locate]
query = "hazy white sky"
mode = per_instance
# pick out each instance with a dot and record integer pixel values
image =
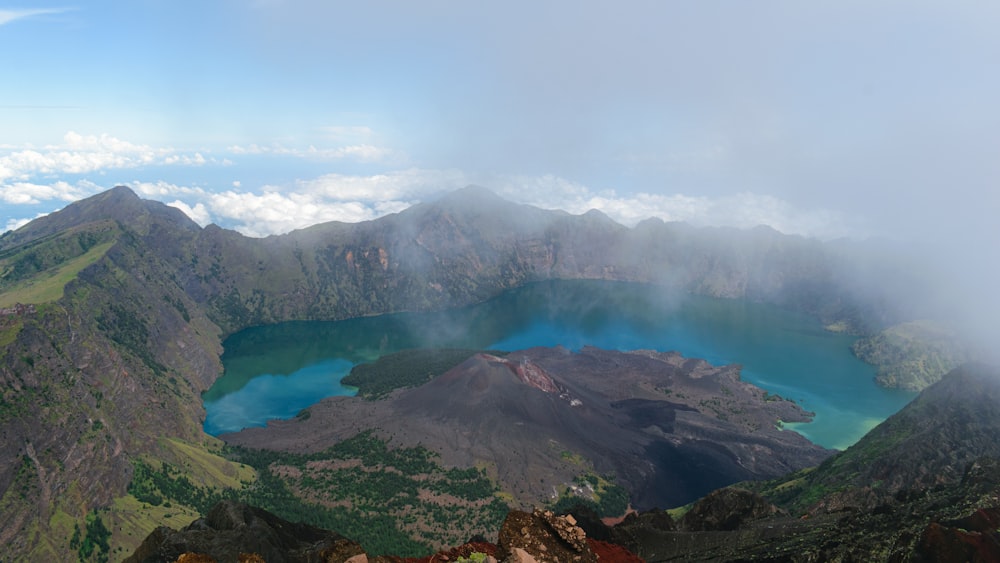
(820, 118)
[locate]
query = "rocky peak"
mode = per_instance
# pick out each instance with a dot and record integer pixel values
(528, 372)
(119, 204)
(727, 509)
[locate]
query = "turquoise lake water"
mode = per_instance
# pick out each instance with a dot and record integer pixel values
(275, 371)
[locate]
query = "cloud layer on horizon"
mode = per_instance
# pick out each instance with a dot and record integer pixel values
(29, 176)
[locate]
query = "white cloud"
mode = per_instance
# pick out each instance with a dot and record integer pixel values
(280, 209)
(252, 148)
(354, 198)
(195, 159)
(14, 224)
(275, 209)
(101, 143)
(8, 16)
(27, 193)
(413, 183)
(362, 152)
(159, 190)
(741, 210)
(347, 133)
(272, 213)
(83, 154)
(199, 214)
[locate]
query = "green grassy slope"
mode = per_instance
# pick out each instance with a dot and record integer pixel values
(912, 355)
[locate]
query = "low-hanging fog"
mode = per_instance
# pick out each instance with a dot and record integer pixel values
(833, 119)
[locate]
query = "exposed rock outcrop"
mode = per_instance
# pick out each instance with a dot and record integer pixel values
(727, 509)
(543, 537)
(235, 532)
(973, 538)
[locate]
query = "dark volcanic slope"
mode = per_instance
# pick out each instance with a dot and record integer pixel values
(930, 442)
(922, 486)
(670, 428)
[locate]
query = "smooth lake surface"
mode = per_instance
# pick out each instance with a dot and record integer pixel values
(276, 371)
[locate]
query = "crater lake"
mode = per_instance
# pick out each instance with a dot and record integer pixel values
(275, 371)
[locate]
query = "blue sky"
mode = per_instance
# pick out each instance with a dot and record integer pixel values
(817, 118)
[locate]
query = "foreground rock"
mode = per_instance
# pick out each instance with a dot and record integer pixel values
(957, 522)
(233, 531)
(543, 537)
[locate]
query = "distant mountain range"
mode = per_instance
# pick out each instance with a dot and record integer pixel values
(113, 310)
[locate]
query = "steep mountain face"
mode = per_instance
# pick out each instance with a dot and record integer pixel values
(100, 374)
(670, 428)
(929, 443)
(922, 486)
(129, 300)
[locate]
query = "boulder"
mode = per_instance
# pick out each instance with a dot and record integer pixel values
(543, 537)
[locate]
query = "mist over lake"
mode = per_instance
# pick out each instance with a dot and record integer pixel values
(276, 371)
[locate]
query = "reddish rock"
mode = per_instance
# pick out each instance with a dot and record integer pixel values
(195, 558)
(452, 554)
(545, 537)
(971, 539)
(612, 553)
